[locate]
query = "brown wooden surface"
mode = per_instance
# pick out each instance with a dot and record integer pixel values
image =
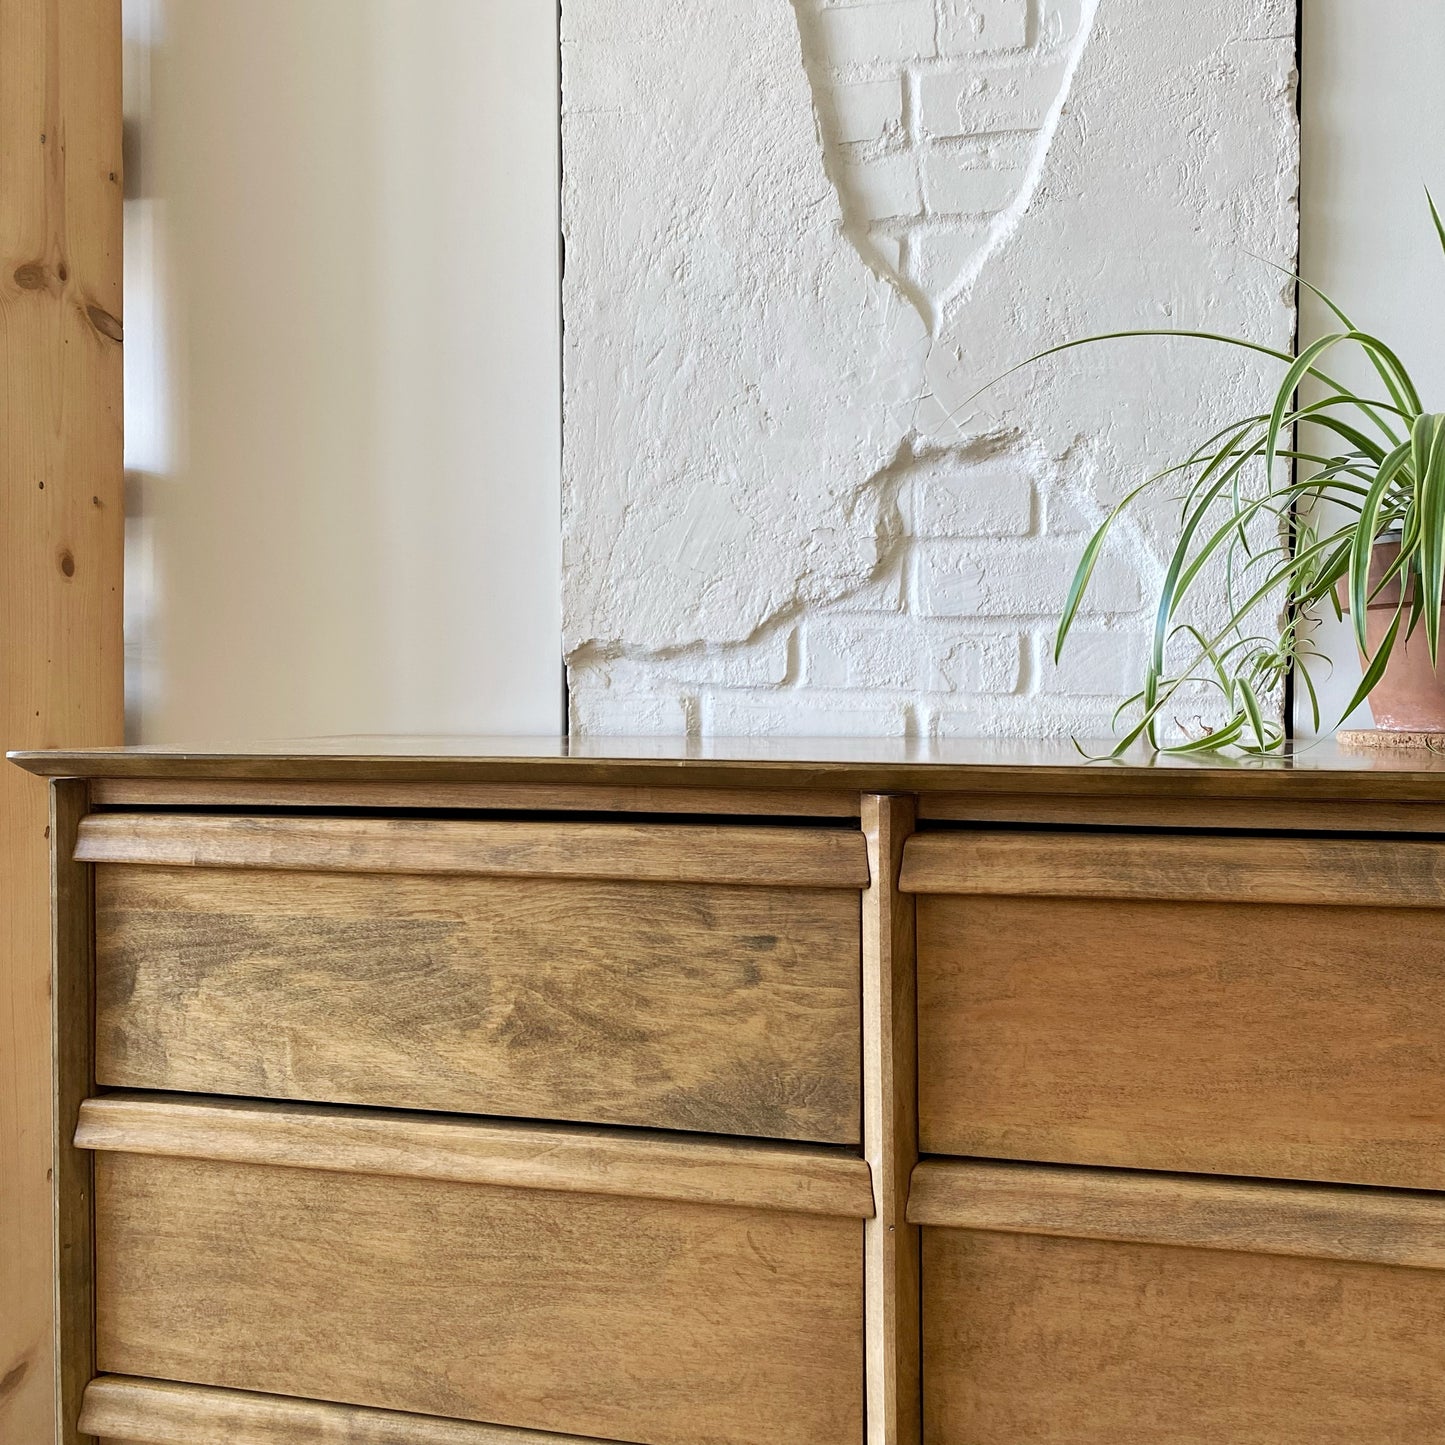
(1297, 1043)
(61, 537)
(792, 1178)
(774, 857)
(1237, 815)
(890, 1130)
(1239, 869)
(155, 1412)
(1084, 1342)
(543, 798)
(729, 1010)
(72, 1040)
(1317, 773)
(1059, 810)
(1313, 1221)
(639, 1320)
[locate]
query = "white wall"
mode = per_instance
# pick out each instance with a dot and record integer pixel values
(1373, 112)
(341, 342)
(801, 233)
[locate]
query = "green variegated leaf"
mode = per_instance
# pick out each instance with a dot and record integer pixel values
(1249, 534)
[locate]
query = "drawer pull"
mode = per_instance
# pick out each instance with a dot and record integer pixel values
(119, 1408)
(747, 856)
(800, 1179)
(1379, 873)
(1377, 1226)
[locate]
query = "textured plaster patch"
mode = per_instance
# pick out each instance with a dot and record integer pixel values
(765, 379)
(736, 377)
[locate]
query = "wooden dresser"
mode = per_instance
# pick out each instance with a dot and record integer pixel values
(500, 1093)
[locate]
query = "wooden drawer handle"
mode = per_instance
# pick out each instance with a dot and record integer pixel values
(678, 853)
(1380, 873)
(794, 1178)
(119, 1408)
(1378, 1226)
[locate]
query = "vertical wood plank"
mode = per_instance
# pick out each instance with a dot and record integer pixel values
(73, 1044)
(61, 539)
(890, 1128)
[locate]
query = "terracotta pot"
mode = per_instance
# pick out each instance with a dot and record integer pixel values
(1410, 697)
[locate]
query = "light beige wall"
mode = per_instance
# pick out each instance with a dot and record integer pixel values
(342, 341)
(1373, 121)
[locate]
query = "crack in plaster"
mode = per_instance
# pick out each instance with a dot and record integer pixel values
(881, 491)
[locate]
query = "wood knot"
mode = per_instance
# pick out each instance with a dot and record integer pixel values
(67, 562)
(31, 276)
(105, 323)
(10, 1381)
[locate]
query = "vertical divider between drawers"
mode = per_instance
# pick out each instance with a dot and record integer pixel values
(73, 1051)
(892, 1307)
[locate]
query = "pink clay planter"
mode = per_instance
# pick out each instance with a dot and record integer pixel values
(1410, 697)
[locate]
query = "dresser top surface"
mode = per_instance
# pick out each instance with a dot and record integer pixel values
(880, 765)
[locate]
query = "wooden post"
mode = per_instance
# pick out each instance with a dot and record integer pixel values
(61, 539)
(890, 1130)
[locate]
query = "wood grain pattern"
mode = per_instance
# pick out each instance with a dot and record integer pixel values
(875, 765)
(1086, 1342)
(890, 1131)
(731, 1010)
(1218, 1038)
(792, 1178)
(153, 1412)
(629, 1319)
(1379, 1226)
(542, 798)
(656, 853)
(72, 1046)
(61, 543)
(1309, 871)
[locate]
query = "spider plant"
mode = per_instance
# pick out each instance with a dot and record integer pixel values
(1250, 506)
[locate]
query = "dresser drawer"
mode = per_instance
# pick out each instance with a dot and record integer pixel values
(1228, 1005)
(679, 977)
(1072, 1307)
(632, 1287)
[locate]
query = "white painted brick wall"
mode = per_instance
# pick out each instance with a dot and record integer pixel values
(962, 186)
(977, 98)
(878, 33)
(922, 576)
(867, 110)
(980, 26)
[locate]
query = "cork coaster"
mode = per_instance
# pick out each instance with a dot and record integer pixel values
(1376, 738)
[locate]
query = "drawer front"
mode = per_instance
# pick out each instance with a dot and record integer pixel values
(1229, 1006)
(1062, 1337)
(729, 1316)
(665, 993)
